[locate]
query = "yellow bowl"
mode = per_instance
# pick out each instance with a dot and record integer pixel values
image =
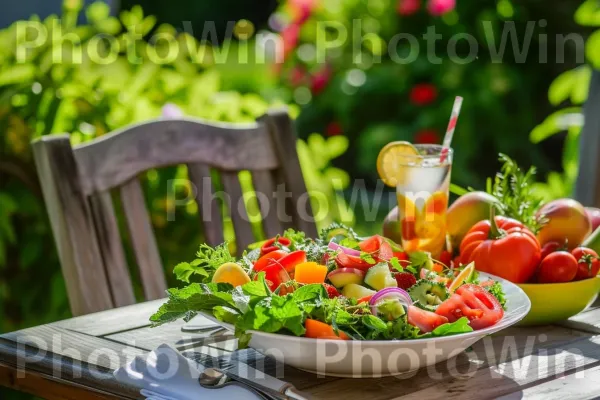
(553, 302)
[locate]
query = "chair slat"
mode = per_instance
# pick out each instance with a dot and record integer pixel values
(143, 240)
(162, 143)
(268, 202)
(209, 208)
(237, 211)
(72, 225)
(111, 249)
(284, 139)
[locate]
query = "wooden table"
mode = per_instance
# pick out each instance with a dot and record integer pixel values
(75, 358)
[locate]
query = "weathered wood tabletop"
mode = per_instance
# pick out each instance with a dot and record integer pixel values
(75, 358)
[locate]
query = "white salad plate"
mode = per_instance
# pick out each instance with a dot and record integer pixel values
(377, 358)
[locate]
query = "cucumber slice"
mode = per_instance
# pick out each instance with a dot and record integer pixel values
(379, 277)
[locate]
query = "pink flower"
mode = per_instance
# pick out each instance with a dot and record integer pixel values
(297, 76)
(302, 10)
(334, 128)
(440, 7)
(320, 80)
(408, 7)
(289, 37)
(423, 94)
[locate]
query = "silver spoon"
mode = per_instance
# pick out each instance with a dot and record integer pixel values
(212, 378)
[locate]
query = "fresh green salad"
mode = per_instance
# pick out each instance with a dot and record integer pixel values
(338, 286)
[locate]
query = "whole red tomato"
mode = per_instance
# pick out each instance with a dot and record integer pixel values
(551, 247)
(502, 246)
(557, 267)
(588, 263)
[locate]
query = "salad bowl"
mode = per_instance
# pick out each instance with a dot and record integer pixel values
(378, 358)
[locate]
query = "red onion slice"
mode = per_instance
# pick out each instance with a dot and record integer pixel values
(351, 252)
(390, 293)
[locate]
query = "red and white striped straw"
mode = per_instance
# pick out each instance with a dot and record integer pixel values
(451, 126)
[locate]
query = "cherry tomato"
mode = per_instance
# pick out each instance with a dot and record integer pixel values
(550, 247)
(505, 248)
(557, 267)
(270, 246)
(471, 301)
(588, 263)
(425, 320)
(267, 259)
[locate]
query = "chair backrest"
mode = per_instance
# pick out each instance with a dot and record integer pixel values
(77, 183)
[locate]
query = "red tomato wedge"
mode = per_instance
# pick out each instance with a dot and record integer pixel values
(346, 261)
(471, 301)
(425, 320)
(377, 247)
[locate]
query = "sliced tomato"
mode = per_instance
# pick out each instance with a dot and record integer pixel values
(425, 320)
(472, 301)
(385, 251)
(377, 247)
(365, 299)
(267, 259)
(371, 245)
(346, 261)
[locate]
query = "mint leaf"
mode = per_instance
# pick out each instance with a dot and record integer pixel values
(461, 325)
(255, 288)
(226, 314)
(367, 257)
(374, 323)
(396, 264)
(349, 243)
(183, 271)
(313, 292)
(208, 259)
(193, 298)
(421, 259)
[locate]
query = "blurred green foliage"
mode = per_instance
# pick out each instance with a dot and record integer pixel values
(569, 91)
(88, 97)
(364, 92)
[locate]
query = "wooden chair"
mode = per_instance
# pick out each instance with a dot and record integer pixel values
(77, 183)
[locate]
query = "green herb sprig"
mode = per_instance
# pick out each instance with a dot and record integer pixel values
(514, 190)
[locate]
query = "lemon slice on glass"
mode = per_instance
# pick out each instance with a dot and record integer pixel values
(391, 162)
(462, 277)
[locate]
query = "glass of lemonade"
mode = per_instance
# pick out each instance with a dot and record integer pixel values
(422, 179)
